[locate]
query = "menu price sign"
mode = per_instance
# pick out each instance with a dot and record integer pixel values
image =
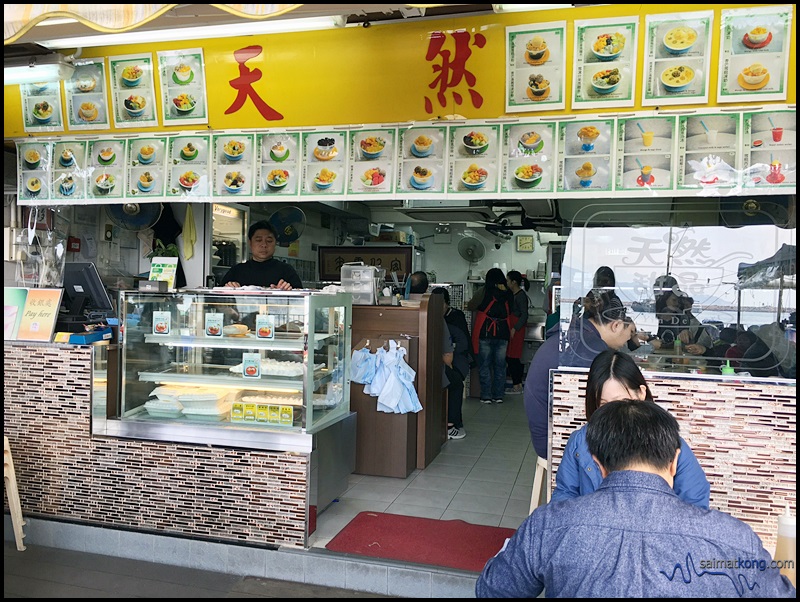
(585, 149)
(769, 157)
(372, 162)
(324, 163)
(278, 161)
(183, 86)
(605, 62)
(133, 94)
(708, 151)
(423, 161)
(536, 60)
(646, 153)
(87, 97)
(164, 269)
(529, 164)
(39, 314)
(234, 164)
(41, 107)
(754, 54)
(474, 164)
(677, 58)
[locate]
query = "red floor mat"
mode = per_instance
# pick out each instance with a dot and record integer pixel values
(448, 543)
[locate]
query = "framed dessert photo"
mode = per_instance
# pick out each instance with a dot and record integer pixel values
(133, 94)
(423, 160)
(535, 66)
(88, 107)
(278, 162)
(325, 163)
(183, 87)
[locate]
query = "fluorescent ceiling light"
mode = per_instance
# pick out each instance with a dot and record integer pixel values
(195, 33)
(518, 8)
(35, 69)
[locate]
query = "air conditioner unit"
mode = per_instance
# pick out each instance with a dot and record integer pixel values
(448, 211)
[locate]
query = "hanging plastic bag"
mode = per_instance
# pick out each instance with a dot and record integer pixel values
(392, 390)
(409, 400)
(362, 366)
(379, 378)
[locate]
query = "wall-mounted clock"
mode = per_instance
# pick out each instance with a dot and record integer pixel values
(525, 243)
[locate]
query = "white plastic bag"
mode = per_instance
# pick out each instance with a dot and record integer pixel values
(362, 366)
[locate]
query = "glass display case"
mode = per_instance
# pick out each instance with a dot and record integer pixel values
(243, 363)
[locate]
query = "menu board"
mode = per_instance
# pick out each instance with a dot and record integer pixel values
(106, 169)
(474, 165)
(530, 152)
(87, 97)
(754, 54)
(585, 149)
(278, 161)
(147, 170)
(677, 58)
(423, 160)
(372, 162)
(187, 161)
(645, 153)
(536, 60)
(325, 169)
(41, 107)
(605, 62)
(234, 164)
(34, 164)
(133, 93)
(708, 151)
(770, 150)
(69, 170)
(183, 86)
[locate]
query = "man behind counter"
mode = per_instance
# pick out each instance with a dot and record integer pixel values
(263, 269)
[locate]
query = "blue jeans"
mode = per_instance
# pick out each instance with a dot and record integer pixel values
(492, 367)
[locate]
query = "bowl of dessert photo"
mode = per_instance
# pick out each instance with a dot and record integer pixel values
(146, 182)
(325, 149)
(531, 142)
(588, 134)
(32, 158)
(372, 147)
(755, 74)
(43, 112)
(105, 183)
(606, 81)
(66, 158)
(277, 179)
(147, 153)
(373, 177)
(234, 182)
(135, 105)
(585, 173)
(106, 156)
(476, 143)
(233, 150)
(608, 46)
(528, 176)
(182, 74)
(33, 186)
(422, 178)
(189, 152)
(677, 78)
(324, 179)
(474, 178)
(756, 36)
(279, 152)
(67, 186)
(189, 180)
(87, 111)
(184, 103)
(679, 40)
(85, 83)
(422, 146)
(132, 76)
(535, 50)
(538, 87)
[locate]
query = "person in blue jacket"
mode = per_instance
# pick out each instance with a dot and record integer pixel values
(614, 375)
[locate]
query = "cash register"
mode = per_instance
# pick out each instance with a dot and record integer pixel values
(85, 301)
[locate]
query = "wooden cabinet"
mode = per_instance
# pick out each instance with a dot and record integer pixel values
(394, 444)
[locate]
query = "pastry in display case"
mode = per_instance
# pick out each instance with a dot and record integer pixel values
(268, 361)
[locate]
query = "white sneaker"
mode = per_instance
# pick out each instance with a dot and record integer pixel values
(455, 433)
(487, 401)
(499, 400)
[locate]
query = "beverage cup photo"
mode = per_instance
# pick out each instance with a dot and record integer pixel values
(647, 138)
(712, 136)
(777, 134)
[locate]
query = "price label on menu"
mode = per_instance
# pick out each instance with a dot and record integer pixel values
(251, 365)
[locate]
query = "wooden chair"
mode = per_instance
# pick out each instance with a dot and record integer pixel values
(10, 482)
(538, 483)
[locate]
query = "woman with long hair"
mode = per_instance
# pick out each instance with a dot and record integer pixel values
(490, 334)
(614, 375)
(517, 285)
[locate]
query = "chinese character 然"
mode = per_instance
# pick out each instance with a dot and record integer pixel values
(244, 85)
(453, 68)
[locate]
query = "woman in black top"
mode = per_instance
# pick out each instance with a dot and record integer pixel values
(490, 336)
(517, 285)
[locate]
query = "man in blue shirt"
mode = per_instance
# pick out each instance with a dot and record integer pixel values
(633, 537)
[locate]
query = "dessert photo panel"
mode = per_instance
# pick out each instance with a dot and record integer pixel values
(646, 153)
(147, 175)
(87, 97)
(41, 107)
(708, 150)
(372, 161)
(278, 162)
(769, 161)
(535, 67)
(106, 169)
(133, 94)
(325, 162)
(529, 163)
(69, 170)
(423, 160)
(183, 86)
(34, 165)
